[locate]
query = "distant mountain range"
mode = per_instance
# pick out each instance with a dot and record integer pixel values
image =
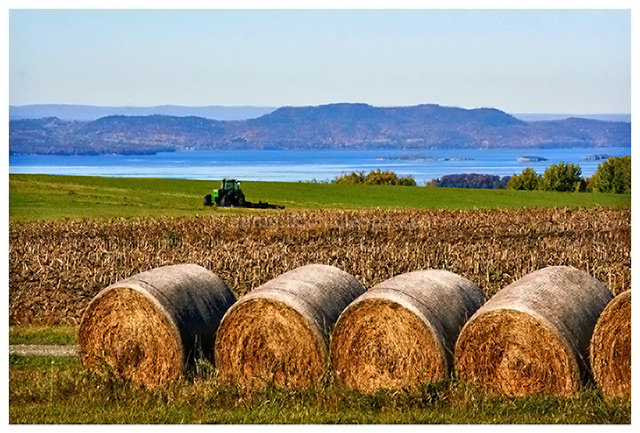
(346, 126)
(216, 112)
(533, 117)
(93, 112)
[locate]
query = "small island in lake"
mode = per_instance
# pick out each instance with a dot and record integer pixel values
(532, 159)
(600, 157)
(419, 157)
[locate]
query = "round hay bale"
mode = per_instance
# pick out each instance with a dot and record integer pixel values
(150, 327)
(402, 332)
(280, 331)
(611, 347)
(533, 336)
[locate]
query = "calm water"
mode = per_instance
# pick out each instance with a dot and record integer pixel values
(294, 165)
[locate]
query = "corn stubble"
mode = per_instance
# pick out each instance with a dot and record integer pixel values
(55, 268)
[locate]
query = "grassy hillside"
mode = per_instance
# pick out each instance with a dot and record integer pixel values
(35, 197)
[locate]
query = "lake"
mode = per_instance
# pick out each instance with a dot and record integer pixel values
(306, 165)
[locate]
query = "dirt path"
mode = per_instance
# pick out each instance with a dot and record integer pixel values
(43, 349)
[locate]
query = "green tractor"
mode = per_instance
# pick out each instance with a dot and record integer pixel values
(229, 195)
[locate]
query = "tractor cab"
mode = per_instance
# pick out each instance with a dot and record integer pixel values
(229, 195)
(228, 185)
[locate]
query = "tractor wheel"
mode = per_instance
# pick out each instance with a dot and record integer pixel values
(241, 201)
(224, 201)
(207, 200)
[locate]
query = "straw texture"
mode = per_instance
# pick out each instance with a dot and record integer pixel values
(402, 332)
(533, 336)
(611, 347)
(280, 331)
(150, 327)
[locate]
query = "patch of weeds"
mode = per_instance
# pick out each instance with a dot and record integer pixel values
(170, 239)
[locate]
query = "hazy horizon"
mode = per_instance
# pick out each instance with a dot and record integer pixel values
(169, 104)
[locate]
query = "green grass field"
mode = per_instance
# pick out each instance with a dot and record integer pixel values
(46, 197)
(59, 390)
(42, 334)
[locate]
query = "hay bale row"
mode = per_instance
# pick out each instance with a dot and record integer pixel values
(280, 331)
(401, 333)
(533, 336)
(150, 327)
(611, 347)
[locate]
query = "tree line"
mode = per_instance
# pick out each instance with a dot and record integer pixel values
(470, 180)
(613, 175)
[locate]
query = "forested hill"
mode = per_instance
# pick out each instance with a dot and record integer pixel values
(348, 126)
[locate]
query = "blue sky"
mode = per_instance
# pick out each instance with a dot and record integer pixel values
(561, 61)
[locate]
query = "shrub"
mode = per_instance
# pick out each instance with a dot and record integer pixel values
(350, 178)
(613, 175)
(376, 177)
(406, 181)
(471, 180)
(562, 177)
(527, 180)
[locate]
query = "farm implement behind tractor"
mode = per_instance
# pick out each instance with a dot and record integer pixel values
(230, 194)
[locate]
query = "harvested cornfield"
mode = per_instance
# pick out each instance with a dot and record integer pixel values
(611, 347)
(280, 331)
(402, 332)
(55, 268)
(533, 336)
(150, 327)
